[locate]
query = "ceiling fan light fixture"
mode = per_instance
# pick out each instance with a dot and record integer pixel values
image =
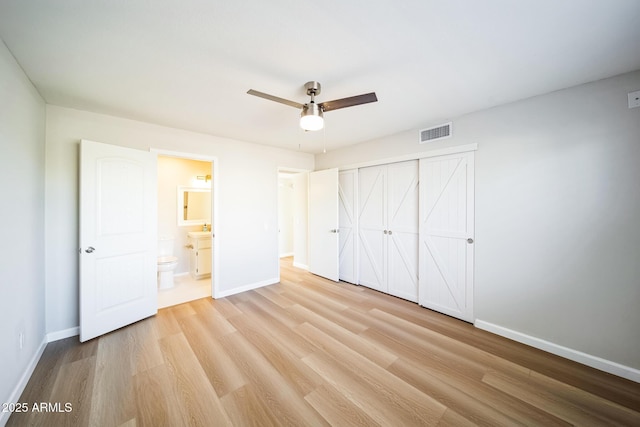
(311, 117)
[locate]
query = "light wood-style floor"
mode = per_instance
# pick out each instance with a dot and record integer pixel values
(308, 351)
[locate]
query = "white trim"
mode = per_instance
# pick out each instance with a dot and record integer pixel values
(24, 379)
(568, 353)
(65, 333)
(300, 265)
(285, 170)
(248, 287)
(286, 254)
(184, 155)
(420, 155)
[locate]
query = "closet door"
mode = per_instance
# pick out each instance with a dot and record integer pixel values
(446, 234)
(402, 225)
(348, 225)
(388, 224)
(372, 229)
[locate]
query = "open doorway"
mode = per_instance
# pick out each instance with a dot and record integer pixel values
(187, 220)
(292, 215)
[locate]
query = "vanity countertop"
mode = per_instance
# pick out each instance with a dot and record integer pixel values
(199, 234)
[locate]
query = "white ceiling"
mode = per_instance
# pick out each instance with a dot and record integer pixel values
(189, 63)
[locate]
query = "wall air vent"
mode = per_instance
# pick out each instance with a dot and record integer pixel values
(435, 133)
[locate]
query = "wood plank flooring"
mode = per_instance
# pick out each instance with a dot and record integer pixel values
(310, 352)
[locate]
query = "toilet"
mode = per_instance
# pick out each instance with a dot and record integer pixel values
(166, 263)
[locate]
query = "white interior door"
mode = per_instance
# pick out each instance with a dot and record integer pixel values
(372, 227)
(323, 224)
(118, 237)
(402, 224)
(348, 199)
(446, 234)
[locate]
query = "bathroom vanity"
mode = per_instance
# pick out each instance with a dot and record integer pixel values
(200, 254)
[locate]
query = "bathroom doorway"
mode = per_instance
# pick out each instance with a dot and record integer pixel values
(187, 219)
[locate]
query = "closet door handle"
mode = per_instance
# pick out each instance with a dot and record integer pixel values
(90, 249)
(469, 240)
(390, 232)
(385, 231)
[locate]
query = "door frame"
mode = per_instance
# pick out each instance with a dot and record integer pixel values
(215, 217)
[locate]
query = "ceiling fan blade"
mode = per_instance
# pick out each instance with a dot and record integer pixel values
(348, 102)
(275, 98)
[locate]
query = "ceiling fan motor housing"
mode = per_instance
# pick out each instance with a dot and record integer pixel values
(311, 109)
(313, 88)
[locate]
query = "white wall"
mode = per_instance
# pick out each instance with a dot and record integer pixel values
(22, 135)
(172, 173)
(248, 217)
(300, 216)
(557, 214)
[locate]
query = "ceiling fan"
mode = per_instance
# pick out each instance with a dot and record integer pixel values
(311, 113)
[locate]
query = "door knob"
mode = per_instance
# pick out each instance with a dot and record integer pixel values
(469, 240)
(90, 249)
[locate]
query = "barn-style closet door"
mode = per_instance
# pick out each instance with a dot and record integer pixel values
(348, 224)
(388, 228)
(402, 233)
(446, 234)
(372, 227)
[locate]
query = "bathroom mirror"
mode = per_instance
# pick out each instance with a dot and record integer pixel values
(194, 206)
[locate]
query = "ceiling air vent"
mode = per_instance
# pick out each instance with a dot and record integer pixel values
(435, 133)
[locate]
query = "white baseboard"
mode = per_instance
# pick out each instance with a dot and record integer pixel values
(286, 254)
(250, 286)
(60, 335)
(24, 379)
(568, 353)
(299, 265)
